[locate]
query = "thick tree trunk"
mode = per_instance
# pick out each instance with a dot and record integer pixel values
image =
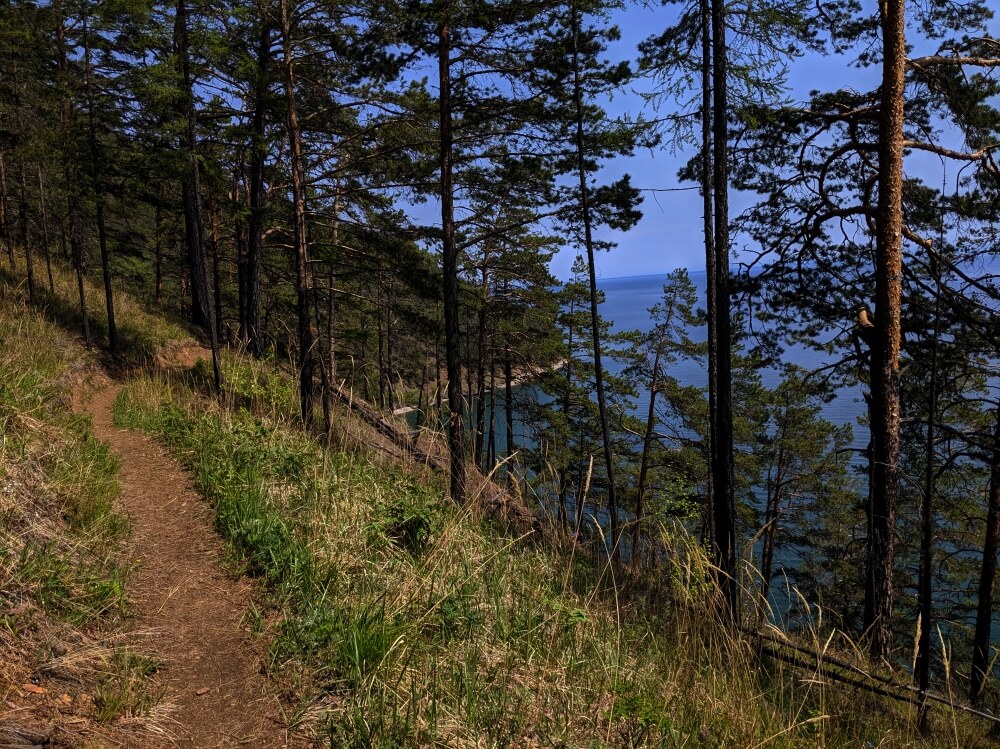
(885, 417)
(987, 577)
(449, 252)
(305, 336)
(722, 433)
(602, 403)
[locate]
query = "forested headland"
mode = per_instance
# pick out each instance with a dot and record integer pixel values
(356, 208)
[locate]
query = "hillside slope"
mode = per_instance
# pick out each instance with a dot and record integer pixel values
(384, 615)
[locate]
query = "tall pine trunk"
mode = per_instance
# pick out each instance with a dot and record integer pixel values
(885, 417)
(449, 252)
(72, 178)
(201, 311)
(602, 404)
(724, 518)
(709, 240)
(95, 175)
(250, 273)
(305, 338)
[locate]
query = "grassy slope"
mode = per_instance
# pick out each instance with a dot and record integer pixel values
(395, 619)
(392, 618)
(62, 580)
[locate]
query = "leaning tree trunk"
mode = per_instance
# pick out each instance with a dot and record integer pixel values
(885, 417)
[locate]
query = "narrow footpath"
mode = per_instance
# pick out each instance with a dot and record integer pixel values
(215, 694)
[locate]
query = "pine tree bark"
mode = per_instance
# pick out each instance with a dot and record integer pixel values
(305, 337)
(722, 431)
(709, 239)
(885, 416)
(449, 252)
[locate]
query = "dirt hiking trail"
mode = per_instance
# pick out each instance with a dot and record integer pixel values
(215, 694)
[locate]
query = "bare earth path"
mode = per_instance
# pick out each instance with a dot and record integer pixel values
(211, 671)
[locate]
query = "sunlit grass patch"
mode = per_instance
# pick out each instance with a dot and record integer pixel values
(396, 619)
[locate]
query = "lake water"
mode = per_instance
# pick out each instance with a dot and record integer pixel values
(627, 303)
(626, 306)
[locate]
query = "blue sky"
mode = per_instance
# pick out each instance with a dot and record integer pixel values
(669, 234)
